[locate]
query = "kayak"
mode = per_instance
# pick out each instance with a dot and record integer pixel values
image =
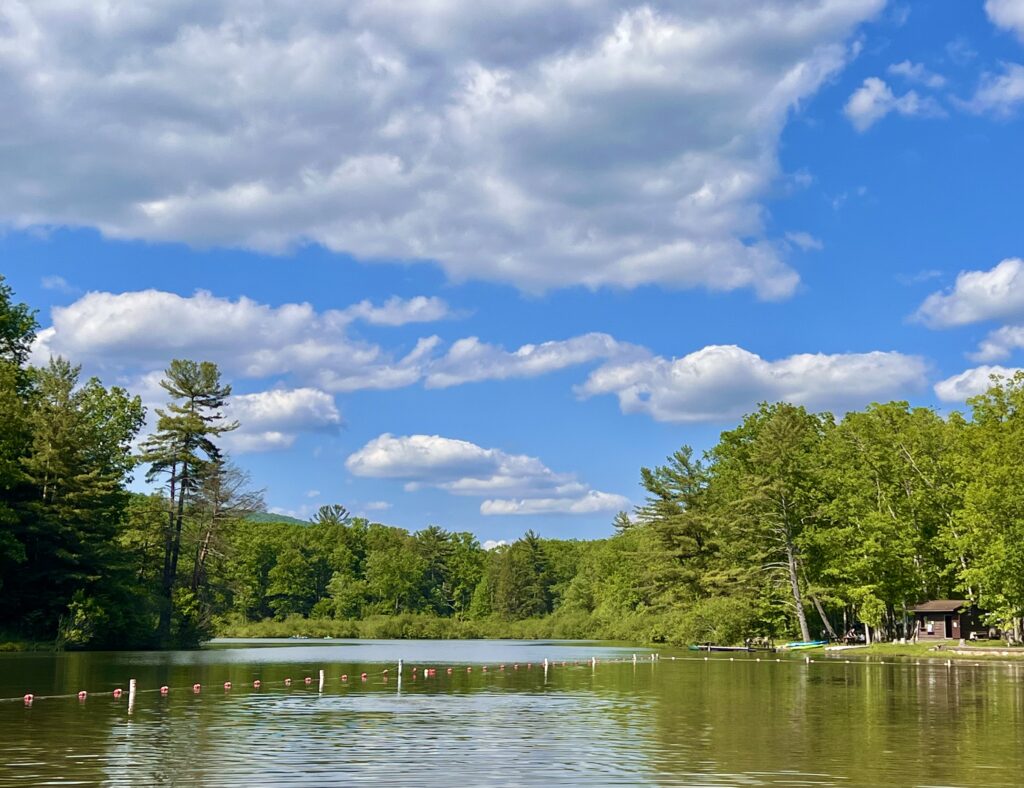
(804, 644)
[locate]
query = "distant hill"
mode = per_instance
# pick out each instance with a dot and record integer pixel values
(268, 517)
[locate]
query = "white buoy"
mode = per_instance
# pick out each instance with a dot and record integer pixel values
(321, 680)
(400, 664)
(593, 663)
(634, 659)
(131, 695)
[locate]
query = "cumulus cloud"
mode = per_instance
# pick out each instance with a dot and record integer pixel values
(998, 94)
(999, 344)
(722, 382)
(977, 295)
(460, 467)
(492, 544)
(873, 100)
(917, 73)
(399, 311)
(537, 143)
(273, 419)
(970, 382)
(591, 503)
(117, 331)
(1007, 14)
(469, 359)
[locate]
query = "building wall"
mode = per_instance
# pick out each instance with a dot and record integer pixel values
(938, 621)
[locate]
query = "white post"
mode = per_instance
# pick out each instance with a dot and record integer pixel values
(634, 659)
(593, 663)
(321, 680)
(131, 695)
(545, 667)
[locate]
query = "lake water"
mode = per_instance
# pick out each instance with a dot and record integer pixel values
(682, 721)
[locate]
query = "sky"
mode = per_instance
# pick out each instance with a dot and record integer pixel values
(474, 264)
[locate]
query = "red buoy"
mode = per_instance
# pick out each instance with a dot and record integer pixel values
(164, 690)
(227, 685)
(117, 693)
(344, 677)
(28, 699)
(449, 671)
(287, 682)
(308, 679)
(362, 676)
(82, 695)
(256, 684)
(196, 688)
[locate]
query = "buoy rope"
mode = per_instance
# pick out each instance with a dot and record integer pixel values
(310, 681)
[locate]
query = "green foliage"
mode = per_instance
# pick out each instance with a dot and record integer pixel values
(791, 525)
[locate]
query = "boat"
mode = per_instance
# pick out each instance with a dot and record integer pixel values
(803, 644)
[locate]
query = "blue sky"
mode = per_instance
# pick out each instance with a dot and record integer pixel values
(474, 266)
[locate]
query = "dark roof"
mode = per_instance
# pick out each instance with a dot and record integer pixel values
(940, 606)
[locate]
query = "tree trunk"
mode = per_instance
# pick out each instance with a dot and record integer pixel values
(167, 579)
(794, 584)
(824, 617)
(204, 550)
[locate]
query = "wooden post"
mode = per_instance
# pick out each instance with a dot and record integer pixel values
(131, 695)
(321, 680)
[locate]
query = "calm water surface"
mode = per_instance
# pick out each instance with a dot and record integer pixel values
(682, 721)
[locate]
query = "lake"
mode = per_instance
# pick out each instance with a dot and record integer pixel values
(677, 720)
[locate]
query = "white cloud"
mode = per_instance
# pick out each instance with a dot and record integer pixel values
(464, 468)
(491, 544)
(590, 503)
(805, 241)
(998, 94)
(723, 382)
(312, 493)
(1007, 14)
(999, 344)
(273, 419)
(114, 332)
(470, 360)
(377, 506)
(970, 382)
(58, 283)
(976, 296)
(873, 100)
(538, 143)
(399, 311)
(917, 73)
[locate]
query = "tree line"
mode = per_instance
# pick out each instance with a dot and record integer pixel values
(795, 524)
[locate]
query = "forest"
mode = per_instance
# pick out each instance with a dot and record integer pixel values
(795, 524)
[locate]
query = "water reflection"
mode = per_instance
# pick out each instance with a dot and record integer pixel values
(683, 722)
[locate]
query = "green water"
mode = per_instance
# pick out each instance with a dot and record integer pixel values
(681, 721)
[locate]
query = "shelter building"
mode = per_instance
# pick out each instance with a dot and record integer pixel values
(946, 619)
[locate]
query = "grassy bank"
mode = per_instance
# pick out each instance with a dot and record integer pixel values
(640, 629)
(10, 644)
(944, 651)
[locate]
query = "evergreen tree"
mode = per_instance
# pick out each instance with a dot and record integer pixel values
(183, 450)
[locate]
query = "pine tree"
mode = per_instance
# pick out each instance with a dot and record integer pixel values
(182, 450)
